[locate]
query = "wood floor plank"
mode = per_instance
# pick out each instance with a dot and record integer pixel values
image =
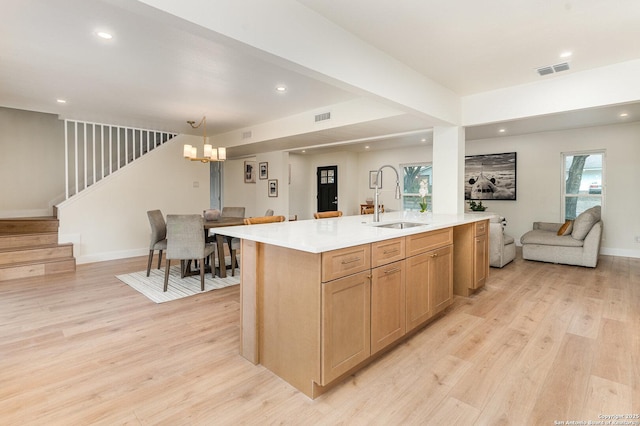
(565, 389)
(83, 348)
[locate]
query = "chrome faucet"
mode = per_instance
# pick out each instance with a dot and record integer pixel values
(376, 204)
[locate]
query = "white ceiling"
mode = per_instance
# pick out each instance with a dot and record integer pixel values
(158, 76)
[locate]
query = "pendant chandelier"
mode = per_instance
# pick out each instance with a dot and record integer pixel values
(210, 153)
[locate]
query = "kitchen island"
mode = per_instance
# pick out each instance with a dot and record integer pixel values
(322, 298)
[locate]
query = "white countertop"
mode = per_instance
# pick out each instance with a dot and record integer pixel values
(321, 235)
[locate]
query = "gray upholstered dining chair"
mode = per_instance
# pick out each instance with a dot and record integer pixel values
(158, 237)
(233, 243)
(232, 212)
(186, 241)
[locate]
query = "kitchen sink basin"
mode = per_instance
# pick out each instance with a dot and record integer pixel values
(400, 225)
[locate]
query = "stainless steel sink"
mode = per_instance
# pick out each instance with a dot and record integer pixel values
(400, 225)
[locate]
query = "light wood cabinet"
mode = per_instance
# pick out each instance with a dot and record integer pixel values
(387, 251)
(480, 255)
(417, 294)
(429, 285)
(471, 257)
(387, 305)
(441, 279)
(346, 261)
(346, 327)
(314, 318)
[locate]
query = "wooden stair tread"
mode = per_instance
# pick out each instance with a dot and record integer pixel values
(28, 225)
(36, 254)
(37, 262)
(36, 269)
(28, 240)
(35, 247)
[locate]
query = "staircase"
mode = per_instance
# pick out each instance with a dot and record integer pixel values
(29, 248)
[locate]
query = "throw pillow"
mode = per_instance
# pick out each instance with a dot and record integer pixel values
(583, 224)
(566, 228)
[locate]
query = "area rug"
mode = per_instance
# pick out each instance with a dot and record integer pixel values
(152, 285)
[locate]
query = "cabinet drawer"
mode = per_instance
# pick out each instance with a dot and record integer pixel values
(419, 243)
(481, 227)
(346, 261)
(387, 251)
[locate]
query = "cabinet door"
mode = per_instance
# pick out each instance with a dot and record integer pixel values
(441, 279)
(481, 261)
(417, 293)
(388, 321)
(346, 324)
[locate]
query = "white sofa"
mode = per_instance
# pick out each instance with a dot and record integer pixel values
(502, 247)
(578, 243)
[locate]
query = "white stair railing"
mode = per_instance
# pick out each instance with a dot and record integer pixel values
(93, 151)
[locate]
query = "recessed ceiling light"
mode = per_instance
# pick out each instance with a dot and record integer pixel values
(566, 54)
(423, 140)
(502, 130)
(104, 35)
(304, 150)
(366, 147)
(61, 101)
(624, 114)
(281, 88)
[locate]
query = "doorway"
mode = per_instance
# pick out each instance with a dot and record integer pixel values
(327, 178)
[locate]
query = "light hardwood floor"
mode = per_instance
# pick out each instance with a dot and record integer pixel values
(541, 343)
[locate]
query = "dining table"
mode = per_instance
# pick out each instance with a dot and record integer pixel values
(220, 222)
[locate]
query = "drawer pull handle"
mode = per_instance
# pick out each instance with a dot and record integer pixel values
(434, 255)
(355, 259)
(390, 251)
(391, 271)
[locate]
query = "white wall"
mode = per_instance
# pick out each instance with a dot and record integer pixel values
(109, 220)
(31, 163)
(278, 169)
(236, 193)
(301, 179)
(539, 180)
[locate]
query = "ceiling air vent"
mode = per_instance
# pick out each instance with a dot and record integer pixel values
(246, 135)
(545, 70)
(322, 117)
(550, 69)
(561, 67)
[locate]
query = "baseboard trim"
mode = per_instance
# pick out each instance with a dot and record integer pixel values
(114, 255)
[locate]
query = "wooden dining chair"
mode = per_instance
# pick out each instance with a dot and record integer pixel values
(186, 241)
(263, 219)
(158, 237)
(324, 215)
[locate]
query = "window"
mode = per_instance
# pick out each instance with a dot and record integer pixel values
(413, 175)
(583, 184)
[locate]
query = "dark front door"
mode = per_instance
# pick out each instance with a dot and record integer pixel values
(327, 188)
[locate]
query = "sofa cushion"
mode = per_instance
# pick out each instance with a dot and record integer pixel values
(508, 239)
(584, 222)
(566, 228)
(550, 238)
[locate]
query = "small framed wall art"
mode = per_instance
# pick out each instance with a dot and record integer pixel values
(249, 172)
(263, 170)
(273, 187)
